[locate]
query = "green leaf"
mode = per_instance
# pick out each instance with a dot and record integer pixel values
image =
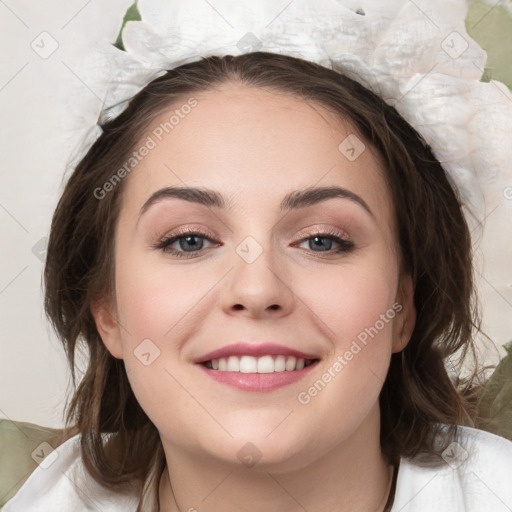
(132, 14)
(491, 27)
(494, 403)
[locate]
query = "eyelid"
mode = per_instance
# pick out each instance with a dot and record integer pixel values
(189, 229)
(182, 232)
(312, 231)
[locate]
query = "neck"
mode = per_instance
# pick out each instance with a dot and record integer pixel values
(353, 475)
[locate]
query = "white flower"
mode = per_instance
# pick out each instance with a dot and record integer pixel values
(416, 55)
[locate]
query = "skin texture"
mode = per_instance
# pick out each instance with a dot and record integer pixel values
(254, 146)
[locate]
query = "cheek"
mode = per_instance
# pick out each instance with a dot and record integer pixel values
(154, 299)
(351, 299)
(356, 309)
(159, 306)
(154, 306)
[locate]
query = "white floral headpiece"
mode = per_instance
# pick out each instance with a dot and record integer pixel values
(416, 55)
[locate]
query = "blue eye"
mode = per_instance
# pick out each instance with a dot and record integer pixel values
(190, 243)
(315, 240)
(187, 241)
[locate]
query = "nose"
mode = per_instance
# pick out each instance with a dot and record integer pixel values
(259, 284)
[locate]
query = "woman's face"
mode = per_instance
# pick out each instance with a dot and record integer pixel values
(265, 282)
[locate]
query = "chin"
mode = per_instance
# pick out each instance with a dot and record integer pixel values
(266, 446)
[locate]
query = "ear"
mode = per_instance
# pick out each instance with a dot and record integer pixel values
(405, 320)
(105, 318)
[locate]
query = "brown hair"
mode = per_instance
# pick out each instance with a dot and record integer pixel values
(435, 249)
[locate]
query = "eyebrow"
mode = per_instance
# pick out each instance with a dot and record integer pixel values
(292, 201)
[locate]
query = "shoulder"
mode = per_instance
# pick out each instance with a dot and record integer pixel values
(474, 475)
(60, 483)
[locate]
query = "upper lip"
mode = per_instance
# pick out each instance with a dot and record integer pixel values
(253, 349)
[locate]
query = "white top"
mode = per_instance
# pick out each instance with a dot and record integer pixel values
(477, 477)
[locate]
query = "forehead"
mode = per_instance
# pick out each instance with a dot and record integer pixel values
(254, 145)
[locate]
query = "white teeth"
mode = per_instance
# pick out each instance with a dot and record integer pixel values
(264, 364)
(248, 364)
(233, 364)
(280, 364)
(290, 363)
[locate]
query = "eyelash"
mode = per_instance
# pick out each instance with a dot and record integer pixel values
(164, 243)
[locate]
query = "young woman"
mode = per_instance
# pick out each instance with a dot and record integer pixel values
(269, 268)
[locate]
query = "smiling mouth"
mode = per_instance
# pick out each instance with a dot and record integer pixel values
(263, 364)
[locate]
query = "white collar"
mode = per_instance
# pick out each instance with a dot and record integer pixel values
(477, 478)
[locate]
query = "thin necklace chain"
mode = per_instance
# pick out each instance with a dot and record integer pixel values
(390, 495)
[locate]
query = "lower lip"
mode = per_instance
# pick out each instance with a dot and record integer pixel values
(258, 382)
